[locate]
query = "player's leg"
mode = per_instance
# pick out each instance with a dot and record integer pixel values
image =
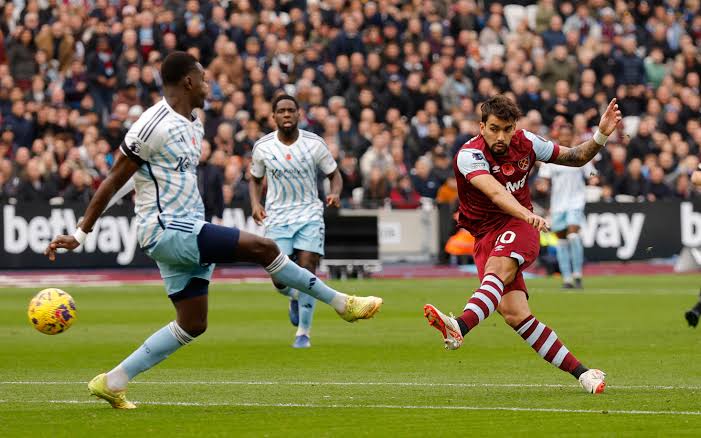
(517, 314)
(500, 272)
(575, 218)
(190, 304)
(283, 239)
(307, 303)
(483, 302)
(564, 260)
(222, 244)
(692, 315)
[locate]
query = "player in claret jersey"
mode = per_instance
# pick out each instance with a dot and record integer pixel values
(495, 206)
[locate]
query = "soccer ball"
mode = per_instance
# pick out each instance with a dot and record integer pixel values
(52, 311)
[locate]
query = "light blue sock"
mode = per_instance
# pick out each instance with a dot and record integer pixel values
(284, 271)
(284, 291)
(155, 349)
(576, 253)
(306, 313)
(563, 259)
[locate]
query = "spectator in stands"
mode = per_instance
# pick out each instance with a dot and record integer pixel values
(634, 183)
(554, 36)
(34, 186)
(102, 74)
(424, 180)
(629, 67)
(210, 181)
(418, 73)
(377, 188)
(558, 68)
(658, 189)
(20, 56)
(79, 190)
(350, 173)
(404, 196)
(57, 43)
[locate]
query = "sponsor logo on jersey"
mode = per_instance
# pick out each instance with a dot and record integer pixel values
(184, 163)
(514, 186)
(496, 169)
(523, 163)
(289, 173)
(507, 169)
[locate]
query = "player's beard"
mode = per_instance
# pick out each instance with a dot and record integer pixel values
(499, 148)
(288, 131)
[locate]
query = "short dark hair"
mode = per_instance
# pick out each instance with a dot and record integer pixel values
(502, 107)
(176, 66)
(282, 97)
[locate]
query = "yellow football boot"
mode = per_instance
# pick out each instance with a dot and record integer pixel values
(361, 308)
(118, 399)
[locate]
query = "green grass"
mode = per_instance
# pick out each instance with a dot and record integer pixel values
(631, 327)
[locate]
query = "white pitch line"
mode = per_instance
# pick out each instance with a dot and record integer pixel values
(410, 384)
(378, 406)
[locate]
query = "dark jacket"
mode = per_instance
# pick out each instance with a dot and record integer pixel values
(210, 180)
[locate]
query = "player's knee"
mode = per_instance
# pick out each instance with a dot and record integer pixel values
(514, 317)
(503, 267)
(311, 267)
(265, 251)
(195, 328)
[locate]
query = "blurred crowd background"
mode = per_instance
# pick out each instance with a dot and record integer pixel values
(393, 87)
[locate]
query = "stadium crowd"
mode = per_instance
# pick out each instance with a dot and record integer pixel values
(393, 87)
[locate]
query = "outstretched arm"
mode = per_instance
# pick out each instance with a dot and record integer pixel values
(581, 154)
(123, 169)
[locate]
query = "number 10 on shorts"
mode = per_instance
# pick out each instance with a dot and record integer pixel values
(506, 237)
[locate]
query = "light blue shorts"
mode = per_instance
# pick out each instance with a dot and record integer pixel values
(307, 236)
(178, 256)
(561, 220)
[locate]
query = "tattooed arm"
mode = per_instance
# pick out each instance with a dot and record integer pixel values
(581, 154)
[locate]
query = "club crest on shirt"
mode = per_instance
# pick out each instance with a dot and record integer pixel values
(135, 147)
(507, 169)
(524, 162)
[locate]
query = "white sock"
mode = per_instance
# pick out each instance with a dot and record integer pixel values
(302, 331)
(339, 302)
(117, 379)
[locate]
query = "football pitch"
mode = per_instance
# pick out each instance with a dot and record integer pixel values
(389, 375)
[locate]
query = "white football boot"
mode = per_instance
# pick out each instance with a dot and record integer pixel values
(593, 381)
(447, 325)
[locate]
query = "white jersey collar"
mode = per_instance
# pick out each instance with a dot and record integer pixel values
(177, 114)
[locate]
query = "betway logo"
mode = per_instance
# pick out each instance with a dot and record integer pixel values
(613, 230)
(512, 187)
(691, 226)
(110, 234)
